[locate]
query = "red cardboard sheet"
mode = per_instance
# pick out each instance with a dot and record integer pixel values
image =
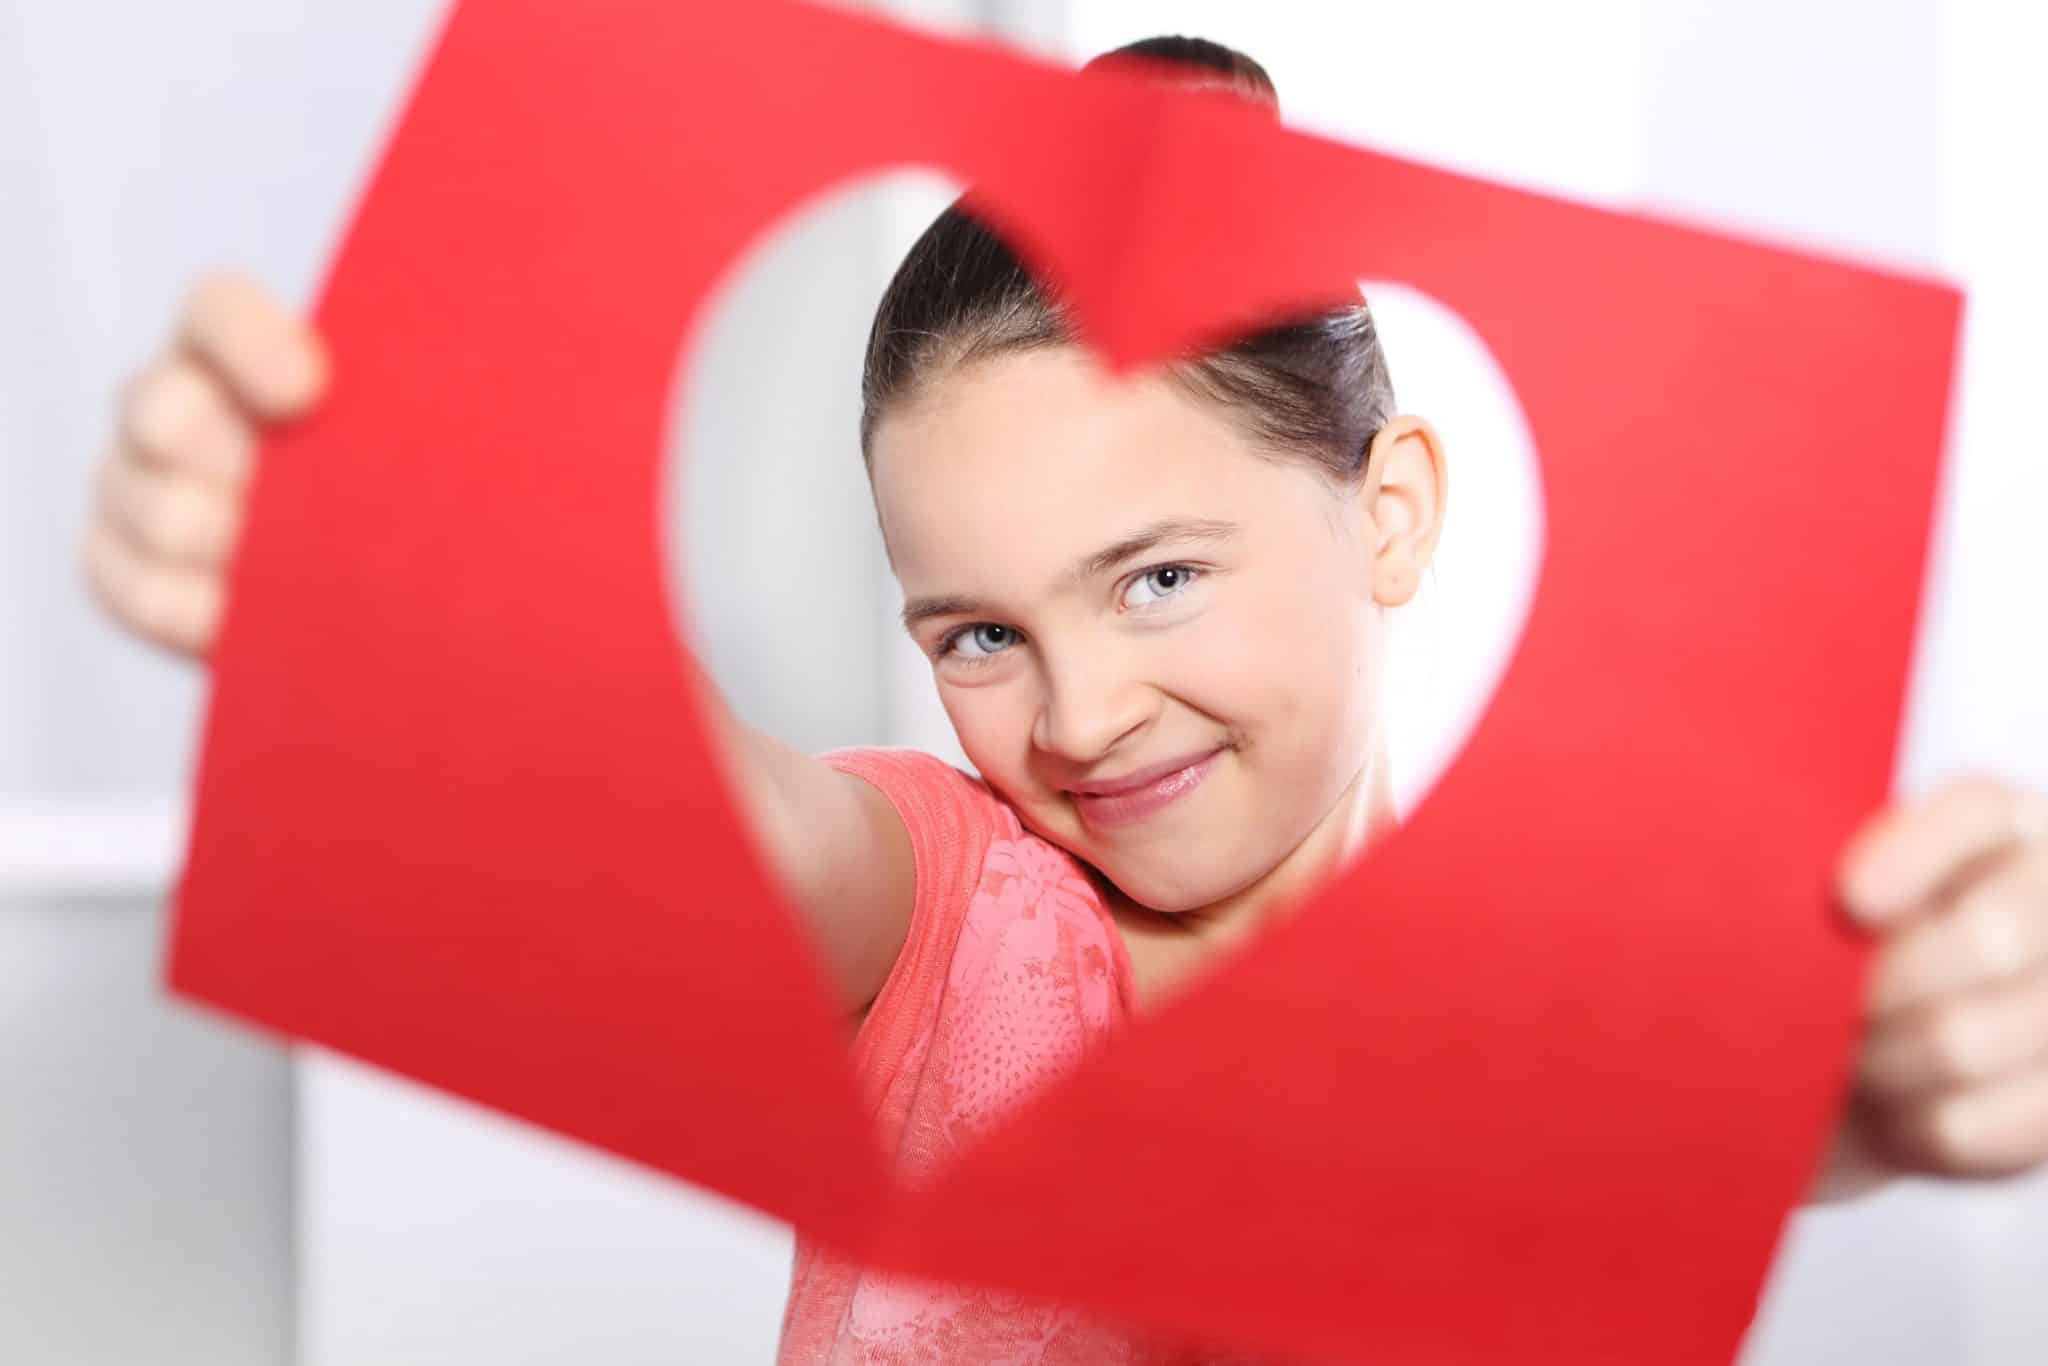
(1535, 1083)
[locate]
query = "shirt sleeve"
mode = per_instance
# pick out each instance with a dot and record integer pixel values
(952, 818)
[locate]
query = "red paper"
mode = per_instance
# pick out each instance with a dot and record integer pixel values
(1537, 1083)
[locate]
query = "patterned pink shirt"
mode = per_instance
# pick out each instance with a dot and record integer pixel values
(1012, 971)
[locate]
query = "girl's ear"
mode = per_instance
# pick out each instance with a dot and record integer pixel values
(1403, 493)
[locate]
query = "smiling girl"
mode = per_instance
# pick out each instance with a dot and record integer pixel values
(1155, 612)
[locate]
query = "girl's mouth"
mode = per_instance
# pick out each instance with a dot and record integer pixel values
(1107, 812)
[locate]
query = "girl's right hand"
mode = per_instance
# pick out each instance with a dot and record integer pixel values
(168, 493)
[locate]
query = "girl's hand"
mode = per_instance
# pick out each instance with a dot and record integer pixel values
(167, 510)
(1953, 1073)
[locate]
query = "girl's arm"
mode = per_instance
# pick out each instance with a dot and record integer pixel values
(167, 514)
(839, 846)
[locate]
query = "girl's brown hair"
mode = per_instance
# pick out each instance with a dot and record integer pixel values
(1314, 388)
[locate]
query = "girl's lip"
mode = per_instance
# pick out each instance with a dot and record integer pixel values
(1135, 804)
(1139, 777)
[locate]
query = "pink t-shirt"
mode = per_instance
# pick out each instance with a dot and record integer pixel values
(1012, 971)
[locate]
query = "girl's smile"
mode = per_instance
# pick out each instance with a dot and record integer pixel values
(1107, 804)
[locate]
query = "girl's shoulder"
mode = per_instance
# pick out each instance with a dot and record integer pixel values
(967, 842)
(995, 902)
(938, 802)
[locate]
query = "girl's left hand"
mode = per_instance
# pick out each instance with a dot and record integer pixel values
(1952, 1077)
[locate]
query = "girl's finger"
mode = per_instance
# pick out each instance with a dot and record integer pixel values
(169, 516)
(175, 607)
(1908, 855)
(1996, 929)
(1979, 1038)
(273, 364)
(1992, 1130)
(175, 415)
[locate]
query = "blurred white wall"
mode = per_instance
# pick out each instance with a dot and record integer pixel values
(146, 1151)
(167, 1194)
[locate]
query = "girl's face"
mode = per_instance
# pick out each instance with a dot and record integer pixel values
(1109, 578)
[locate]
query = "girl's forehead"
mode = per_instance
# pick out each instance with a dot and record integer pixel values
(1026, 457)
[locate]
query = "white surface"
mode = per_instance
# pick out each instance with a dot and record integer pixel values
(145, 1147)
(145, 1153)
(1984, 701)
(89, 845)
(433, 1231)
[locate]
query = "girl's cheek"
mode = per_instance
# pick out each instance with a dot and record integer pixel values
(1234, 647)
(1286, 668)
(993, 724)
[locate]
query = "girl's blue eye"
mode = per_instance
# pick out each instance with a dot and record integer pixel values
(991, 638)
(1172, 578)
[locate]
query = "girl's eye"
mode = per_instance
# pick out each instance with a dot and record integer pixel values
(1168, 578)
(981, 641)
(988, 638)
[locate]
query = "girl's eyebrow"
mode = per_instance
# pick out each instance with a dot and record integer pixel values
(919, 610)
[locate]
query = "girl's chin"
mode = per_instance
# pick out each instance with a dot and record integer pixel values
(1135, 890)
(1131, 883)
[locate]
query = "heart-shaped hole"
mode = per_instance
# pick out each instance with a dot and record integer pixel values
(777, 570)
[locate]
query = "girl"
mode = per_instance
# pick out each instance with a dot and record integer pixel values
(1155, 614)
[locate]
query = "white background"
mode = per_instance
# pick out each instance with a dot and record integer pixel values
(173, 1189)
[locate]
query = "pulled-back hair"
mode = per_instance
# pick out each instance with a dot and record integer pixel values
(1314, 388)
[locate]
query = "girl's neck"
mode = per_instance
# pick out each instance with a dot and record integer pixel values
(1168, 950)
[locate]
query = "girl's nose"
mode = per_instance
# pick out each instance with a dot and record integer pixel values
(1086, 713)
